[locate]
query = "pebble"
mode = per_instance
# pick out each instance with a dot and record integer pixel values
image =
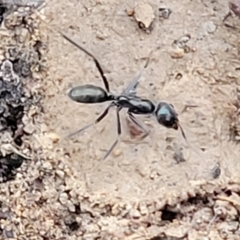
(63, 198)
(47, 165)
(134, 213)
(71, 206)
(60, 173)
(115, 210)
(29, 128)
(142, 171)
(177, 53)
(53, 137)
(216, 171)
(209, 27)
(144, 14)
(117, 152)
(143, 208)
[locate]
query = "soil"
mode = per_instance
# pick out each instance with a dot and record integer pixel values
(159, 186)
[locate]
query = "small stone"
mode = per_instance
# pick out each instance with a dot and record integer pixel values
(42, 232)
(117, 152)
(115, 210)
(134, 213)
(63, 198)
(177, 52)
(53, 136)
(216, 171)
(71, 206)
(60, 173)
(164, 12)
(130, 12)
(144, 15)
(143, 171)
(143, 209)
(29, 128)
(209, 27)
(47, 165)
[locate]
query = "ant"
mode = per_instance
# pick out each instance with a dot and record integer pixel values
(90, 94)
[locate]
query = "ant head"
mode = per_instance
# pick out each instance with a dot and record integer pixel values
(166, 115)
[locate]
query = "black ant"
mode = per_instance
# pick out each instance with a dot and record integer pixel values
(90, 94)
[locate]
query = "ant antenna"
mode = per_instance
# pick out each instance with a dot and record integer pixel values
(186, 140)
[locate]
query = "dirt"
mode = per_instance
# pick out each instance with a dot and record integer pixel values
(158, 186)
(202, 76)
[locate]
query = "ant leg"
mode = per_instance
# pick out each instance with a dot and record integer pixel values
(103, 115)
(105, 81)
(119, 132)
(139, 124)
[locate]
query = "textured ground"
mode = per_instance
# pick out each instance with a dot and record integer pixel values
(140, 191)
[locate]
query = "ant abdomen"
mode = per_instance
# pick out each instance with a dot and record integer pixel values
(166, 115)
(89, 94)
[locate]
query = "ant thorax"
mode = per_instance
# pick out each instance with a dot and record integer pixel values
(136, 104)
(124, 101)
